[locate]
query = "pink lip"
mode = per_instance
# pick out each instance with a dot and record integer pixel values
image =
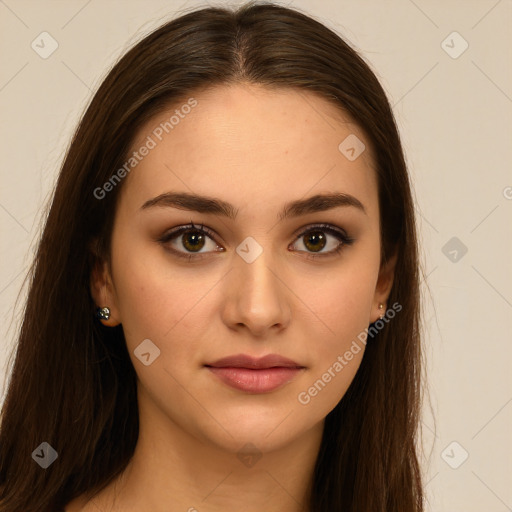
(255, 375)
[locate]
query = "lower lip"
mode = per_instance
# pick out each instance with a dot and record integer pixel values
(255, 381)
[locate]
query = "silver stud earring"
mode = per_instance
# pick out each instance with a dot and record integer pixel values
(103, 313)
(381, 307)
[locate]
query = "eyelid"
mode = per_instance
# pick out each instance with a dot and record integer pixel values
(321, 226)
(178, 230)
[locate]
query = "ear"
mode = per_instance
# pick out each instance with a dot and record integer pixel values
(103, 291)
(383, 287)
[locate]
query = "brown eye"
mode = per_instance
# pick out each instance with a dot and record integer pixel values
(188, 241)
(316, 238)
(315, 241)
(193, 240)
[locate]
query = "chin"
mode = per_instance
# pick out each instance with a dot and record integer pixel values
(267, 430)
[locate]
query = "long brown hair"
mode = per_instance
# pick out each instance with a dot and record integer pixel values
(73, 384)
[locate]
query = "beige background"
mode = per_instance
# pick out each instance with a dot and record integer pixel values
(455, 118)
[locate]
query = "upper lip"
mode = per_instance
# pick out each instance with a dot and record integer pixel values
(246, 361)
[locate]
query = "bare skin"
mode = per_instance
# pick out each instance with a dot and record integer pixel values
(256, 149)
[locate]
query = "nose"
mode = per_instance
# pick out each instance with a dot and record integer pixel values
(256, 296)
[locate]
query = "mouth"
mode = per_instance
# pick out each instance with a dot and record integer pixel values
(255, 375)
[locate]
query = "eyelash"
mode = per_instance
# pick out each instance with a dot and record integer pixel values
(327, 228)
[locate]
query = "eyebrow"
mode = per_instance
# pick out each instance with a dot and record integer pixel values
(215, 206)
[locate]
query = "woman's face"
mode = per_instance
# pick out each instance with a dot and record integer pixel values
(256, 282)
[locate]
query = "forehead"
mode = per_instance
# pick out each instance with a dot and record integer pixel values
(252, 146)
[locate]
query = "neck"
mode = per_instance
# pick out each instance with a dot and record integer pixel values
(173, 470)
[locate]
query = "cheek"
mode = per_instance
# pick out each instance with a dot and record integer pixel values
(150, 299)
(339, 301)
(340, 311)
(151, 304)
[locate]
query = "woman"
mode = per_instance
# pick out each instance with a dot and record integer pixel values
(223, 311)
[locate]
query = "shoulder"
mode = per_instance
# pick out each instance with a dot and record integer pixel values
(105, 499)
(83, 503)
(79, 504)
